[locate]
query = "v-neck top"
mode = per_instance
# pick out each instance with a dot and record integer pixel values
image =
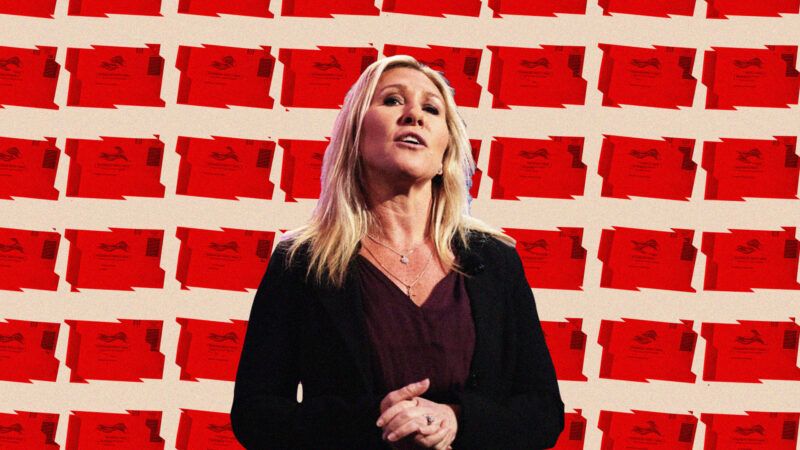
(411, 342)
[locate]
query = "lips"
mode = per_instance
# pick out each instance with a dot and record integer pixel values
(405, 134)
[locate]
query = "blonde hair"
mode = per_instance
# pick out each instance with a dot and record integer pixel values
(341, 218)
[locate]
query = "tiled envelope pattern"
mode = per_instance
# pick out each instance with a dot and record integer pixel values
(501, 78)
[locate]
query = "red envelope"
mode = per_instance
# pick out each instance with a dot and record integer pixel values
(218, 76)
(205, 429)
(124, 351)
(567, 345)
(751, 77)
(314, 8)
(27, 351)
(101, 8)
(137, 430)
(572, 438)
(743, 260)
(115, 167)
(470, 8)
(642, 350)
(120, 259)
(762, 168)
(548, 76)
(230, 259)
(28, 431)
(635, 258)
(252, 8)
(647, 167)
(751, 351)
(475, 183)
(537, 167)
(547, 8)
(551, 259)
(29, 76)
(647, 430)
(302, 168)
(657, 8)
(720, 9)
(459, 65)
(224, 167)
(106, 76)
(28, 168)
(35, 8)
(208, 349)
(28, 259)
(321, 78)
(754, 431)
(660, 77)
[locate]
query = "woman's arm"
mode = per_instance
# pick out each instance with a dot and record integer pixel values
(265, 412)
(532, 417)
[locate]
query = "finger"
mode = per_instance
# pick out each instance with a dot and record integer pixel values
(429, 439)
(446, 441)
(410, 426)
(389, 415)
(406, 392)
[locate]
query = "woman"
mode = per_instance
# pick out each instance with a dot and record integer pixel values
(409, 323)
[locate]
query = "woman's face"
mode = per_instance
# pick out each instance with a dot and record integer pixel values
(405, 101)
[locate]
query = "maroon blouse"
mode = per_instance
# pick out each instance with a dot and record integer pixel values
(410, 342)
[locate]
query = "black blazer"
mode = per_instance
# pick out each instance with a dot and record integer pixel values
(302, 332)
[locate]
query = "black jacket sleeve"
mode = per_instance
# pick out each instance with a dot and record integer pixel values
(532, 417)
(265, 413)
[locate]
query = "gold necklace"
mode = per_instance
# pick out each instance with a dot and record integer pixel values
(409, 294)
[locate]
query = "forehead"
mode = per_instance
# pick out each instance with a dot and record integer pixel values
(405, 79)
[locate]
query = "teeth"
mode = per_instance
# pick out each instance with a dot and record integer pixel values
(411, 139)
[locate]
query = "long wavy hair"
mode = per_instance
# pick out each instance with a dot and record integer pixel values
(342, 218)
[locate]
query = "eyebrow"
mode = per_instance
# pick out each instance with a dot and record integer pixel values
(403, 88)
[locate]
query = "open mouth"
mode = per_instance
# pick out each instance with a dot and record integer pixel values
(409, 144)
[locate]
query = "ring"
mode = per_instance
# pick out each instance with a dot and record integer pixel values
(429, 418)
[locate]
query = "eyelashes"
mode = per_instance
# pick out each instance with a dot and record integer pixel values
(432, 109)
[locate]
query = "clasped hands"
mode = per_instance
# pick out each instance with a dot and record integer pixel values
(404, 423)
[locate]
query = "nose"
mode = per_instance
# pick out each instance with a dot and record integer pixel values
(413, 114)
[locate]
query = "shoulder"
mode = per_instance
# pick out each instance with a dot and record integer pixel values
(488, 245)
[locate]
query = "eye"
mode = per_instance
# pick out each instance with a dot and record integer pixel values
(431, 109)
(434, 110)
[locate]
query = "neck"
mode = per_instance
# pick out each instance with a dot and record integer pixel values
(401, 215)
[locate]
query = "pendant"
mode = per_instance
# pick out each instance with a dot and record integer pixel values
(404, 259)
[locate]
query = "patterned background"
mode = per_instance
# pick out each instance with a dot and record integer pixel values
(287, 111)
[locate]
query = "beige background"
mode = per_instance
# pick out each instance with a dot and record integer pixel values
(590, 211)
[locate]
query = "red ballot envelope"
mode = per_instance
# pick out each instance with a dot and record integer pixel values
(567, 345)
(314, 8)
(635, 258)
(572, 438)
(209, 349)
(459, 64)
(106, 76)
(27, 351)
(754, 431)
(225, 167)
(657, 8)
(739, 168)
(321, 78)
(115, 167)
(646, 430)
(120, 259)
(28, 168)
(25, 430)
(751, 351)
(35, 8)
(101, 8)
(252, 8)
(660, 77)
(205, 430)
(751, 77)
(549, 76)
(470, 8)
(475, 183)
(230, 259)
(642, 350)
(550, 168)
(548, 8)
(720, 9)
(551, 259)
(136, 430)
(124, 351)
(302, 168)
(29, 76)
(218, 76)
(28, 259)
(743, 260)
(647, 167)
